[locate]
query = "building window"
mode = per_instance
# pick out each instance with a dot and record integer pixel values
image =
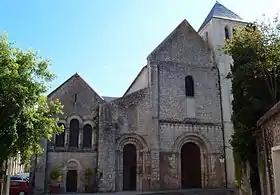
(226, 32)
(75, 97)
(233, 31)
(207, 38)
(87, 136)
(189, 86)
(60, 138)
(74, 133)
(132, 115)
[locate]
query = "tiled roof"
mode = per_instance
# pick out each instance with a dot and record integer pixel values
(220, 11)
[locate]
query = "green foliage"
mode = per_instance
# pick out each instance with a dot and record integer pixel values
(55, 174)
(255, 50)
(26, 116)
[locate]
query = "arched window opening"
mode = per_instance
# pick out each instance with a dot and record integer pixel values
(74, 133)
(226, 32)
(75, 97)
(233, 31)
(87, 136)
(189, 86)
(60, 138)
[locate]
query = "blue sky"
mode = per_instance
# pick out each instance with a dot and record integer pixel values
(107, 41)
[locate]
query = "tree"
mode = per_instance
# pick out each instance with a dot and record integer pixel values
(26, 116)
(255, 50)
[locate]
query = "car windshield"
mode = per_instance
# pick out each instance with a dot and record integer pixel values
(16, 178)
(23, 176)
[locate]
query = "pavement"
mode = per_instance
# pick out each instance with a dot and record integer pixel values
(165, 192)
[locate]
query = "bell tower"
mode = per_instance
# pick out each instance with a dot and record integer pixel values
(216, 28)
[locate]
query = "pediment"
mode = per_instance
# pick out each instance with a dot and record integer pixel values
(182, 45)
(76, 96)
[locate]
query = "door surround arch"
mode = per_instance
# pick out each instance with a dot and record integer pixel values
(141, 150)
(205, 160)
(73, 164)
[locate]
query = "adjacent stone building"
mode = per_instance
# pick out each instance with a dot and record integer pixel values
(170, 129)
(269, 151)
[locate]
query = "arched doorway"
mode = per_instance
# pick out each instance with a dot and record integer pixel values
(129, 167)
(71, 181)
(72, 176)
(190, 166)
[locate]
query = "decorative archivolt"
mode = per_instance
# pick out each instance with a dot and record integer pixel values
(74, 117)
(73, 164)
(134, 139)
(88, 122)
(199, 140)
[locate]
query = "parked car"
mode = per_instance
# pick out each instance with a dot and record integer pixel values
(12, 178)
(18, 187)
(20, 176)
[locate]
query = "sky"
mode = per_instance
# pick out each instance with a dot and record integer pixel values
(107, 41)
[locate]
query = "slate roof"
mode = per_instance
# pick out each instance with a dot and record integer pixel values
(220, 11)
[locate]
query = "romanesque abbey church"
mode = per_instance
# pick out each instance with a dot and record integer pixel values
(170, 129)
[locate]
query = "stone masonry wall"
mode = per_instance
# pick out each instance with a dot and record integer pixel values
(270, 138)
(207, 137)
(173, 101)
(157, 120)
(130, 119)
(80, 102)
(184, 53)
(86, 98)
(65, 161)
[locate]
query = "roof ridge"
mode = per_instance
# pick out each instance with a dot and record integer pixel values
(220, 11)
(71, 77)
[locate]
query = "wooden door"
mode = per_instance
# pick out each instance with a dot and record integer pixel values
(71, 181)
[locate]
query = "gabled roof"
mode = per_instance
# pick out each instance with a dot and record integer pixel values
(183, 27)
(76, 75)
(142, 69)
(270, 113)
(220, 11)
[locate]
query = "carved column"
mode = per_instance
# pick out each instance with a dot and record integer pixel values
(93, 139)
(80, 138)
(66, 138)
(139, 165)
(146, 179)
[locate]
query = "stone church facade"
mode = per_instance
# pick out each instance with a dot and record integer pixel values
(170, 129)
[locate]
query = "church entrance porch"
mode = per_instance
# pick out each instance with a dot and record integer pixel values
(190, 166)
(71, 181)
(129, 167)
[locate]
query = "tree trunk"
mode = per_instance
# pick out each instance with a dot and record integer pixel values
(254, 172)
(31, 185)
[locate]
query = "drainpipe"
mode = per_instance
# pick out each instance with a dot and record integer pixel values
(222, 119)
(223, 127)
(97, 127)
(158, 107)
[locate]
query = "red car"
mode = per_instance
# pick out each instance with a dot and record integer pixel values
(18, 187)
